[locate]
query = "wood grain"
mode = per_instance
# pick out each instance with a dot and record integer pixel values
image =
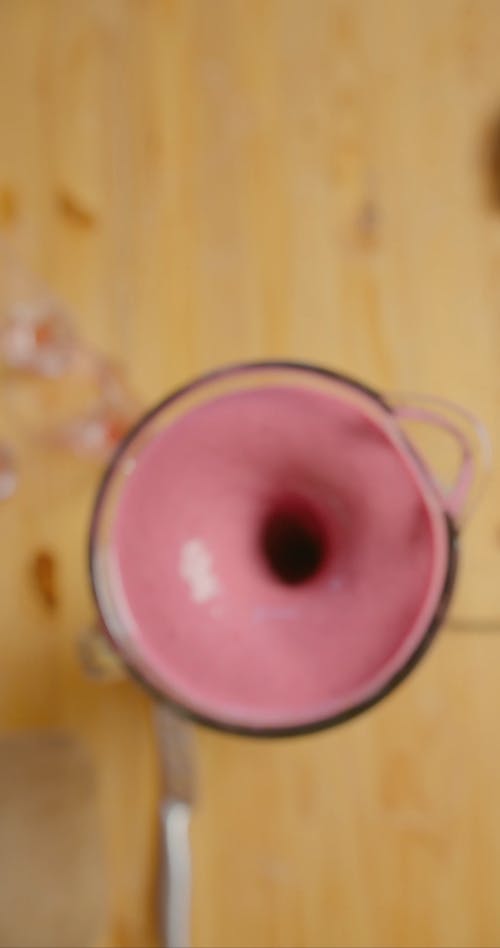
(229, 179)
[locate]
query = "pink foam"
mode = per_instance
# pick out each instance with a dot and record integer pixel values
(221, 631)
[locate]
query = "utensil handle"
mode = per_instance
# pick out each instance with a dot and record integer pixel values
(470, 435)
(175, 874)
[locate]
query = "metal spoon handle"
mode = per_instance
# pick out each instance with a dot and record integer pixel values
(174, 738)
(175, 874)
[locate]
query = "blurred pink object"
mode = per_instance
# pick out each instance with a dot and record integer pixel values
(40, 351)
(37, 337)
(36, 333)
(99, 430)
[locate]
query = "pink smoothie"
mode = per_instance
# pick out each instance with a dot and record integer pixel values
(278, 555)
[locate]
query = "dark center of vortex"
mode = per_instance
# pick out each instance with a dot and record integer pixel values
(293, 545)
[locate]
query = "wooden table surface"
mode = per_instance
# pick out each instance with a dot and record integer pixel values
(221, 180)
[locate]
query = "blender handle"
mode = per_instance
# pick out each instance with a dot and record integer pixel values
(471, 437)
